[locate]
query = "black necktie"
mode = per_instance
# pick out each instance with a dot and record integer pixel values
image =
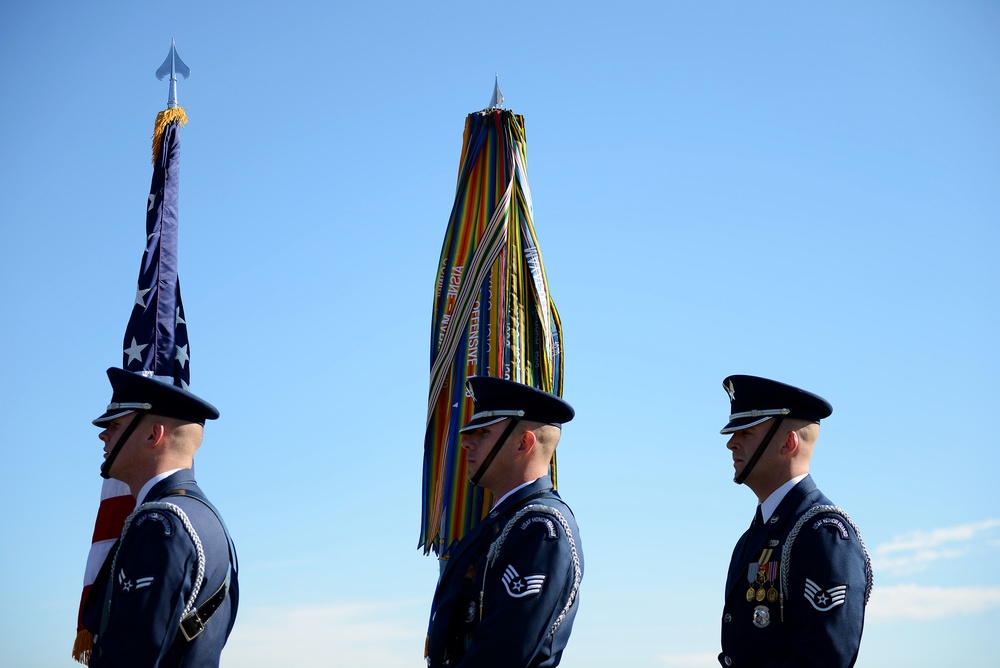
(754, 533)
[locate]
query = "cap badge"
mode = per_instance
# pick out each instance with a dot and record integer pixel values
(731, 390)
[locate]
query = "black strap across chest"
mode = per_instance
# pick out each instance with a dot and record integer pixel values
(193, 623)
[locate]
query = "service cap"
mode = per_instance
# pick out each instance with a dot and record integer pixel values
(495, 399)
(753, 400)
(134, 392)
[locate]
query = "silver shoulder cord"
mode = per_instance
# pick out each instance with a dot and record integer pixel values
(577, 571)
(786, 550)
(169, 507)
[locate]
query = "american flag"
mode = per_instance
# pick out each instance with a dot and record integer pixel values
(156, 340)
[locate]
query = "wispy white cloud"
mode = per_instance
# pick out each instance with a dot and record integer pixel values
(910, 601)
(374, 635)
(689, 660)
(915, 551)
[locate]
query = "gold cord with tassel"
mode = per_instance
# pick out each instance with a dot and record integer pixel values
(163, 119)
(83, 646)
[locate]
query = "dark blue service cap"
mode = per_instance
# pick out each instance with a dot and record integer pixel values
(496, 399)
(133, 392)
(754, 400)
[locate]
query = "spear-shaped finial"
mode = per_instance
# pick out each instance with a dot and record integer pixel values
(497, 100)
(173, 66)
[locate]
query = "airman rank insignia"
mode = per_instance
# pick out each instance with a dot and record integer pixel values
(518, 586)
(127, 584)
(825, 600)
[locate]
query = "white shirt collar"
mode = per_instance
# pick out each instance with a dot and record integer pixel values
(149, 485)
(771, 503)
(501, 499)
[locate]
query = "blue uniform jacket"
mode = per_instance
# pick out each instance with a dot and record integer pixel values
(824, 600)
(154, 574)
(515, 609)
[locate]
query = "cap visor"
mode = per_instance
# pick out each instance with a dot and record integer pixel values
(742, 423)
(476, 423)
(110, 415)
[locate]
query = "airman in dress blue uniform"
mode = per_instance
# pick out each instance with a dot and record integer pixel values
(168, 592)
(800, 576)
(508, 591)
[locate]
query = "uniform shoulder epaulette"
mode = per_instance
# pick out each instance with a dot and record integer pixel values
(786, 551)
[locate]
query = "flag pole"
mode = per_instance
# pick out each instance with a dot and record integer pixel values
(155, 342)
(492, 314)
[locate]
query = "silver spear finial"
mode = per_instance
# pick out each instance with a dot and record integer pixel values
(173, 66)
(496, 102)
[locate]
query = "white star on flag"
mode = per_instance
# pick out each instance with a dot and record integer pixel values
(139, 294)
(152, 200)
(134, 351)
(182, 355)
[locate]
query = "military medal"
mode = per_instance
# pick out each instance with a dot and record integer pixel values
(762, 573)
(751, 578)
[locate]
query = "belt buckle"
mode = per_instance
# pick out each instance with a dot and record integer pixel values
(197, 626)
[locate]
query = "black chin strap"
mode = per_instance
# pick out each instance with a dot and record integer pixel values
(760, 451)
(106, 466)
(496, 448)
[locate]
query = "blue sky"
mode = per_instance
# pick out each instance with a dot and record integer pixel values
(805, 191)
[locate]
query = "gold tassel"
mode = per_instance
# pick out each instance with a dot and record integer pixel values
(82, 646)
(163, 119)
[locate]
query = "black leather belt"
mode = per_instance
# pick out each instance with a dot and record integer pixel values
(193, 623)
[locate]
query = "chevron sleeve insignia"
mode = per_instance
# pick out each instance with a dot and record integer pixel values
(825, 600)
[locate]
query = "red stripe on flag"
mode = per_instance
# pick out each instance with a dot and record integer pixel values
(79, 614)
(111, 517)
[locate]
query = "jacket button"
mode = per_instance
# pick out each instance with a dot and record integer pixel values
(728, 661)
(727, 618)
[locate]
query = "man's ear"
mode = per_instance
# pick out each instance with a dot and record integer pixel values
(791, 443)
(155, 434)
(527, 442)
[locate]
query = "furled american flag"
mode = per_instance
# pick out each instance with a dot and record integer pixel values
(156, 341)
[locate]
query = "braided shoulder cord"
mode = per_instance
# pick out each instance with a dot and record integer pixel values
(786, 550)
(577, 570)
(176, 510)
